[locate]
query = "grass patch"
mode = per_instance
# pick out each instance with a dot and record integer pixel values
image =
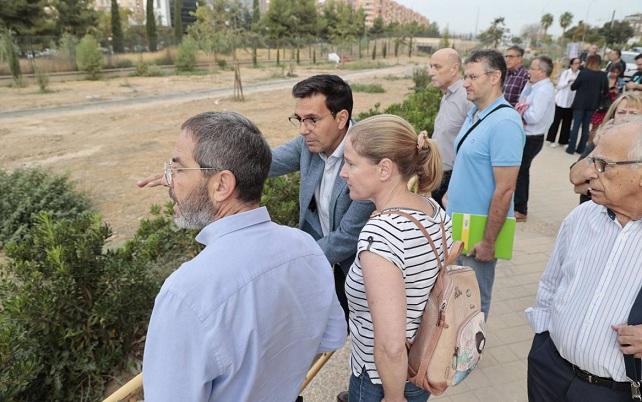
(368, 88)
(392, 77)
(363, 65)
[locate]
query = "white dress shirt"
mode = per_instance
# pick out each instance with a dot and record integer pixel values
(323, 192)
(540, 98)
(590, 283)
(564, 96)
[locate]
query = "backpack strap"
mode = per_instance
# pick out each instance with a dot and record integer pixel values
(501, 106)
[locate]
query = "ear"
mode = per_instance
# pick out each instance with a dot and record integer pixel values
(342, 119)
(495, 77)
(385, 168)
(222, 186)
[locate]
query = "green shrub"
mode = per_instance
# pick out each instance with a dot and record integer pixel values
(421, 78)
(73, 311)
(42, 78)
(142, 68)
(124, 63)
(281, 197)
(186, 55)
(419, 108)
(26, 192)
(155, 71)
(222, 63)
(368, 88)
(89, 57)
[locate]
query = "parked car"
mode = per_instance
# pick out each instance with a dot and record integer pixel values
(629, 58)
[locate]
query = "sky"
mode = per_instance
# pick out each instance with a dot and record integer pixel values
(461, 16)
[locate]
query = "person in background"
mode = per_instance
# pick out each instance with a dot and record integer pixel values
(626, 107)
(590, 51)
(516, 76)
(636, 80)
(445, 66)
(591, 84)
(395, 268)
(606, 101)
(615, 61)
(563, 101)
(537, 108)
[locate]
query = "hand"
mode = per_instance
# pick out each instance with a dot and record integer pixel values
(521, 108)
(152, 181)
(630, 339)
(483, 251)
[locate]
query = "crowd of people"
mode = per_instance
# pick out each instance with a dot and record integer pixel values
(245, 318)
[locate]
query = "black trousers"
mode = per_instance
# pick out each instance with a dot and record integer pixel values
(340, 289)
(438, 194)
(551, 379)
(565, 116)
(532, 147)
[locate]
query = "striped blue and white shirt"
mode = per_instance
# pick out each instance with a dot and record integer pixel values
(401, 242)
(590, 283)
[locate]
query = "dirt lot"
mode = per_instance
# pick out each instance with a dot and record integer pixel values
(106, 151)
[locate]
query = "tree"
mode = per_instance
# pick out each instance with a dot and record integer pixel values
(494, 34)
(445, 40)
(9, 53)
(530, 34)
(116, 29)
(74, 16)
(565, 21)
(150, 26)
(25, 17)
(617, 32)
(178, 20)
(377, 27)
(89, 57)
(546, 21)
(256, 14)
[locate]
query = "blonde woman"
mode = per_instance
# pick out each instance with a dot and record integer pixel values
(389, 282)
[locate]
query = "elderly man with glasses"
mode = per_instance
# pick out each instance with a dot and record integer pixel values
(244, 319)
(588, 292)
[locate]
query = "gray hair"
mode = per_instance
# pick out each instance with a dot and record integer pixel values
(546, 64)
(229, 141)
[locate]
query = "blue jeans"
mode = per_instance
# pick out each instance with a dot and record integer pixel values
(485, 273)
(361, 389)
(582, 117)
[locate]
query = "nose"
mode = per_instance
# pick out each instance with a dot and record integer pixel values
(344, 172)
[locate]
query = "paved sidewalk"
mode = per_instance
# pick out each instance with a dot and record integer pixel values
(501, 375)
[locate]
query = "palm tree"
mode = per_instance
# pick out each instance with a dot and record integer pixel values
(546, 21)
(565, 21)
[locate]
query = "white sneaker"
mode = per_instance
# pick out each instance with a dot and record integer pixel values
(554, 145)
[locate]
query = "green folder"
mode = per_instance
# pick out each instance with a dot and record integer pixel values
(469, 228)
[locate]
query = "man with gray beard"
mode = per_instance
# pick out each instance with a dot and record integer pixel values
(244, 319)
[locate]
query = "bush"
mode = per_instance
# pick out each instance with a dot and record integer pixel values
(368, 88)
(281, 197)
(186, 55)
(222, 63)
(42, 78)
(89, 57)
(421, 78)
(142, 68)
(419, 108)
(73, 310)
(25, 193)
(124, 63)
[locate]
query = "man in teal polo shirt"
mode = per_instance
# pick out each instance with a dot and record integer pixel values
(489, 150)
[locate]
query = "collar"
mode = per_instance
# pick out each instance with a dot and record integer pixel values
(482, 113)
(454, 87)
(540, 83)
(232, 223)
(516, 71)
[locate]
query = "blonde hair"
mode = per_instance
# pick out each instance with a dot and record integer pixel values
(389, 136)
(633, 100)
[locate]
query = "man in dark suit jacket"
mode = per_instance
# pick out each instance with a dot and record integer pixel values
(323, 113)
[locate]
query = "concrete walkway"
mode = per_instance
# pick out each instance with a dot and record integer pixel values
(501, 375)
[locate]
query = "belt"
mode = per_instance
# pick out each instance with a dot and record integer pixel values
(601, 381)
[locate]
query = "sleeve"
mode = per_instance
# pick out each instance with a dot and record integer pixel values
(335, 332)
(507, 143)
(578, 81)
(563, 80)
(383, 237)
(541, 101)
(538, 316)
(286, 158)
(339, 245)
(179, 363)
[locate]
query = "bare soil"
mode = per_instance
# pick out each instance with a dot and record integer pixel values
(106, 151)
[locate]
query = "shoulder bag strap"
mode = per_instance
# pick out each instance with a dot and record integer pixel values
(633, 365)
(503, 105)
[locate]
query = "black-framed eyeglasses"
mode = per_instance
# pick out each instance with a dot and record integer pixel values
(600, 164)
(308, 122)
(170, 170)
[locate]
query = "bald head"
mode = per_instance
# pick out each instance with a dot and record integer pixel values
(444, 68)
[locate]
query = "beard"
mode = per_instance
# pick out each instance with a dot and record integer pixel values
(196, 211)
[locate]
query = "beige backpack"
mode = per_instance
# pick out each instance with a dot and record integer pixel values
(451, 336)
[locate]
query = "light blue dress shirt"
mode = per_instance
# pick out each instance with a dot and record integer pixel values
(540, 98)
(243, 320)
(498, 141)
